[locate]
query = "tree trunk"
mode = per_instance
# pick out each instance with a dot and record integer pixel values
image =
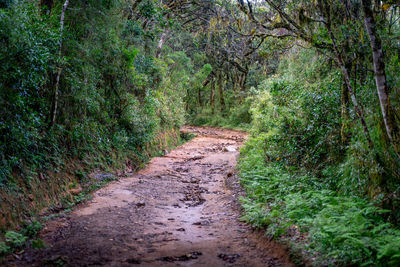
(242, 86)
(161, 42)
(212, 96)
(199, 96)
(391, 126)
(341, 63)
(357, 107)
(221, 92)
(55, 99)
(344, 131)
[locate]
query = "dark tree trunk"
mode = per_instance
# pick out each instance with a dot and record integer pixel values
(221, 92)
(212, 96)
(344, 131)
(199, 100)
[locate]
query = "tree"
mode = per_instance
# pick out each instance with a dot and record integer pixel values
(392, 128)
(57, 85)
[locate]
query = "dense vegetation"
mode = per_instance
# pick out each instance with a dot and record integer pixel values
(315, 82)
(304, 185)
(92, 95)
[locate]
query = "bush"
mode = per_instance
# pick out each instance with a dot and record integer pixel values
(299, 209)
(311, 178)
(298, 118)
(27, 49)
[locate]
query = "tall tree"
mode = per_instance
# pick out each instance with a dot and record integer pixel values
(392, 128)
(57, 85)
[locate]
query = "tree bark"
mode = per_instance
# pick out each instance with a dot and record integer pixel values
(212, 96)
(391, 126)
(353, 98)
(55, 99)
(199, 101)
(345, 72)
(221, 92)
(161, 42)
(344, 131)
(242, 84)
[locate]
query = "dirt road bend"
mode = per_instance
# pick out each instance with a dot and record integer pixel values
(181, 210)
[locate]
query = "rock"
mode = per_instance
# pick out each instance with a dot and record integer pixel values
(229, 149)
(190, 256)
(231, 258)
(140, 204)
(133, 261)
(202, 223)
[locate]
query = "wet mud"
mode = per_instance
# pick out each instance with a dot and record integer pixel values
(181, 210)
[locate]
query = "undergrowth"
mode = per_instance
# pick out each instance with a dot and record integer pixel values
(15, 241)
(295, 207)
(234, 121)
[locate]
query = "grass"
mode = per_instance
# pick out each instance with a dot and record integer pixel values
(318, 223)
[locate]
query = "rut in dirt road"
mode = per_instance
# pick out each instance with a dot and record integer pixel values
(181, 210)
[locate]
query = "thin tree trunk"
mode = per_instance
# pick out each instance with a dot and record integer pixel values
(212, 96)
(161, 42)
(353, 98)
(55, 100)
(199, 96)
(344, 131)
(391, 126)
(242, 86)
(340, 62)
(221, 92)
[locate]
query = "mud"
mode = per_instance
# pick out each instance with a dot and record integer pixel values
(181, 210)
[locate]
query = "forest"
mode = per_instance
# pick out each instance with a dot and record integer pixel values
(107, 84)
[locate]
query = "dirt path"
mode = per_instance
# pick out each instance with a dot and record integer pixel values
(181, 210)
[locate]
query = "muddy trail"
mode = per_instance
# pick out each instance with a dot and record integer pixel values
(181, 210)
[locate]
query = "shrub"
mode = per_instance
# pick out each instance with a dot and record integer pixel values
(298, 208)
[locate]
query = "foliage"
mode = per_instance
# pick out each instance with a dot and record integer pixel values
(4, 249)
(305, 124)
(299, 209)
(38, 244)
(18, 240)
(27, 49)
(31, 230)
(114, 94)
(309, 183)
(15, 240)
(320, 168)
